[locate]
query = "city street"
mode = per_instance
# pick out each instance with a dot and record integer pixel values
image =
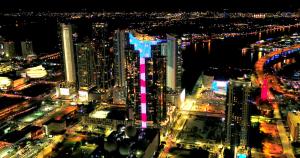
(287, 148)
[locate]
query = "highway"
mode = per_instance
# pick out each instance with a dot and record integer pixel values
(259, 69)
(273, 83)
(14, 96)
(14, 109)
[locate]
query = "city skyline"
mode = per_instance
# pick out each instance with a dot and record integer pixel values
(153, 6)
(150, 81)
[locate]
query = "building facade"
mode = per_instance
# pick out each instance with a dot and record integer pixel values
(174, 64)
(1, 47)
(146, 79)
(140, 67)
(27, 48)
(9, 49)
(68, 53)
(103, 57)
(86, 73)
(237, 112)
(120, 43)
(120, 49)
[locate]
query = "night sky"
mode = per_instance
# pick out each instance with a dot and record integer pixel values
(152, 4)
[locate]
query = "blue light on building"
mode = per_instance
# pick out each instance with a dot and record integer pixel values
(241, 156)
(143, 46)
(219, 87)
(214, 86)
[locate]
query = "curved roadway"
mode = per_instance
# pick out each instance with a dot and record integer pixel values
(273, 83)
(259, 68)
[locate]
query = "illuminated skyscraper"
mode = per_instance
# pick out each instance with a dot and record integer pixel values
(237, 112)
(86, 73)
(9, 50)
(140, 67)
(174, 64)
(27, 49)
(68, 53)
(103, 57)
(146, 79)
(1, 47)
(120, 43)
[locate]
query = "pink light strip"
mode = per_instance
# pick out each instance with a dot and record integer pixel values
(143, 92)
(264, 90)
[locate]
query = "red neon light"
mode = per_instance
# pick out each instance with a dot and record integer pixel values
(264, 90)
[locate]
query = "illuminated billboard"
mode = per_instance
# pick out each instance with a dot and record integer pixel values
(83, 96)
(64, 91)
(219, 87)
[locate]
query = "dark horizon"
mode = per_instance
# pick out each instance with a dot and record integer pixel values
(153, 5)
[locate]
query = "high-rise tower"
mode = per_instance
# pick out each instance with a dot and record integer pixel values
(120, 44)
(140, 67)
(86, 73)
(68, 53)
(7, 49)
(171, 62)
(237, 112)
(1, 47)
(103, 57)
(174, 64)
(146, 78)
(27, 49)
